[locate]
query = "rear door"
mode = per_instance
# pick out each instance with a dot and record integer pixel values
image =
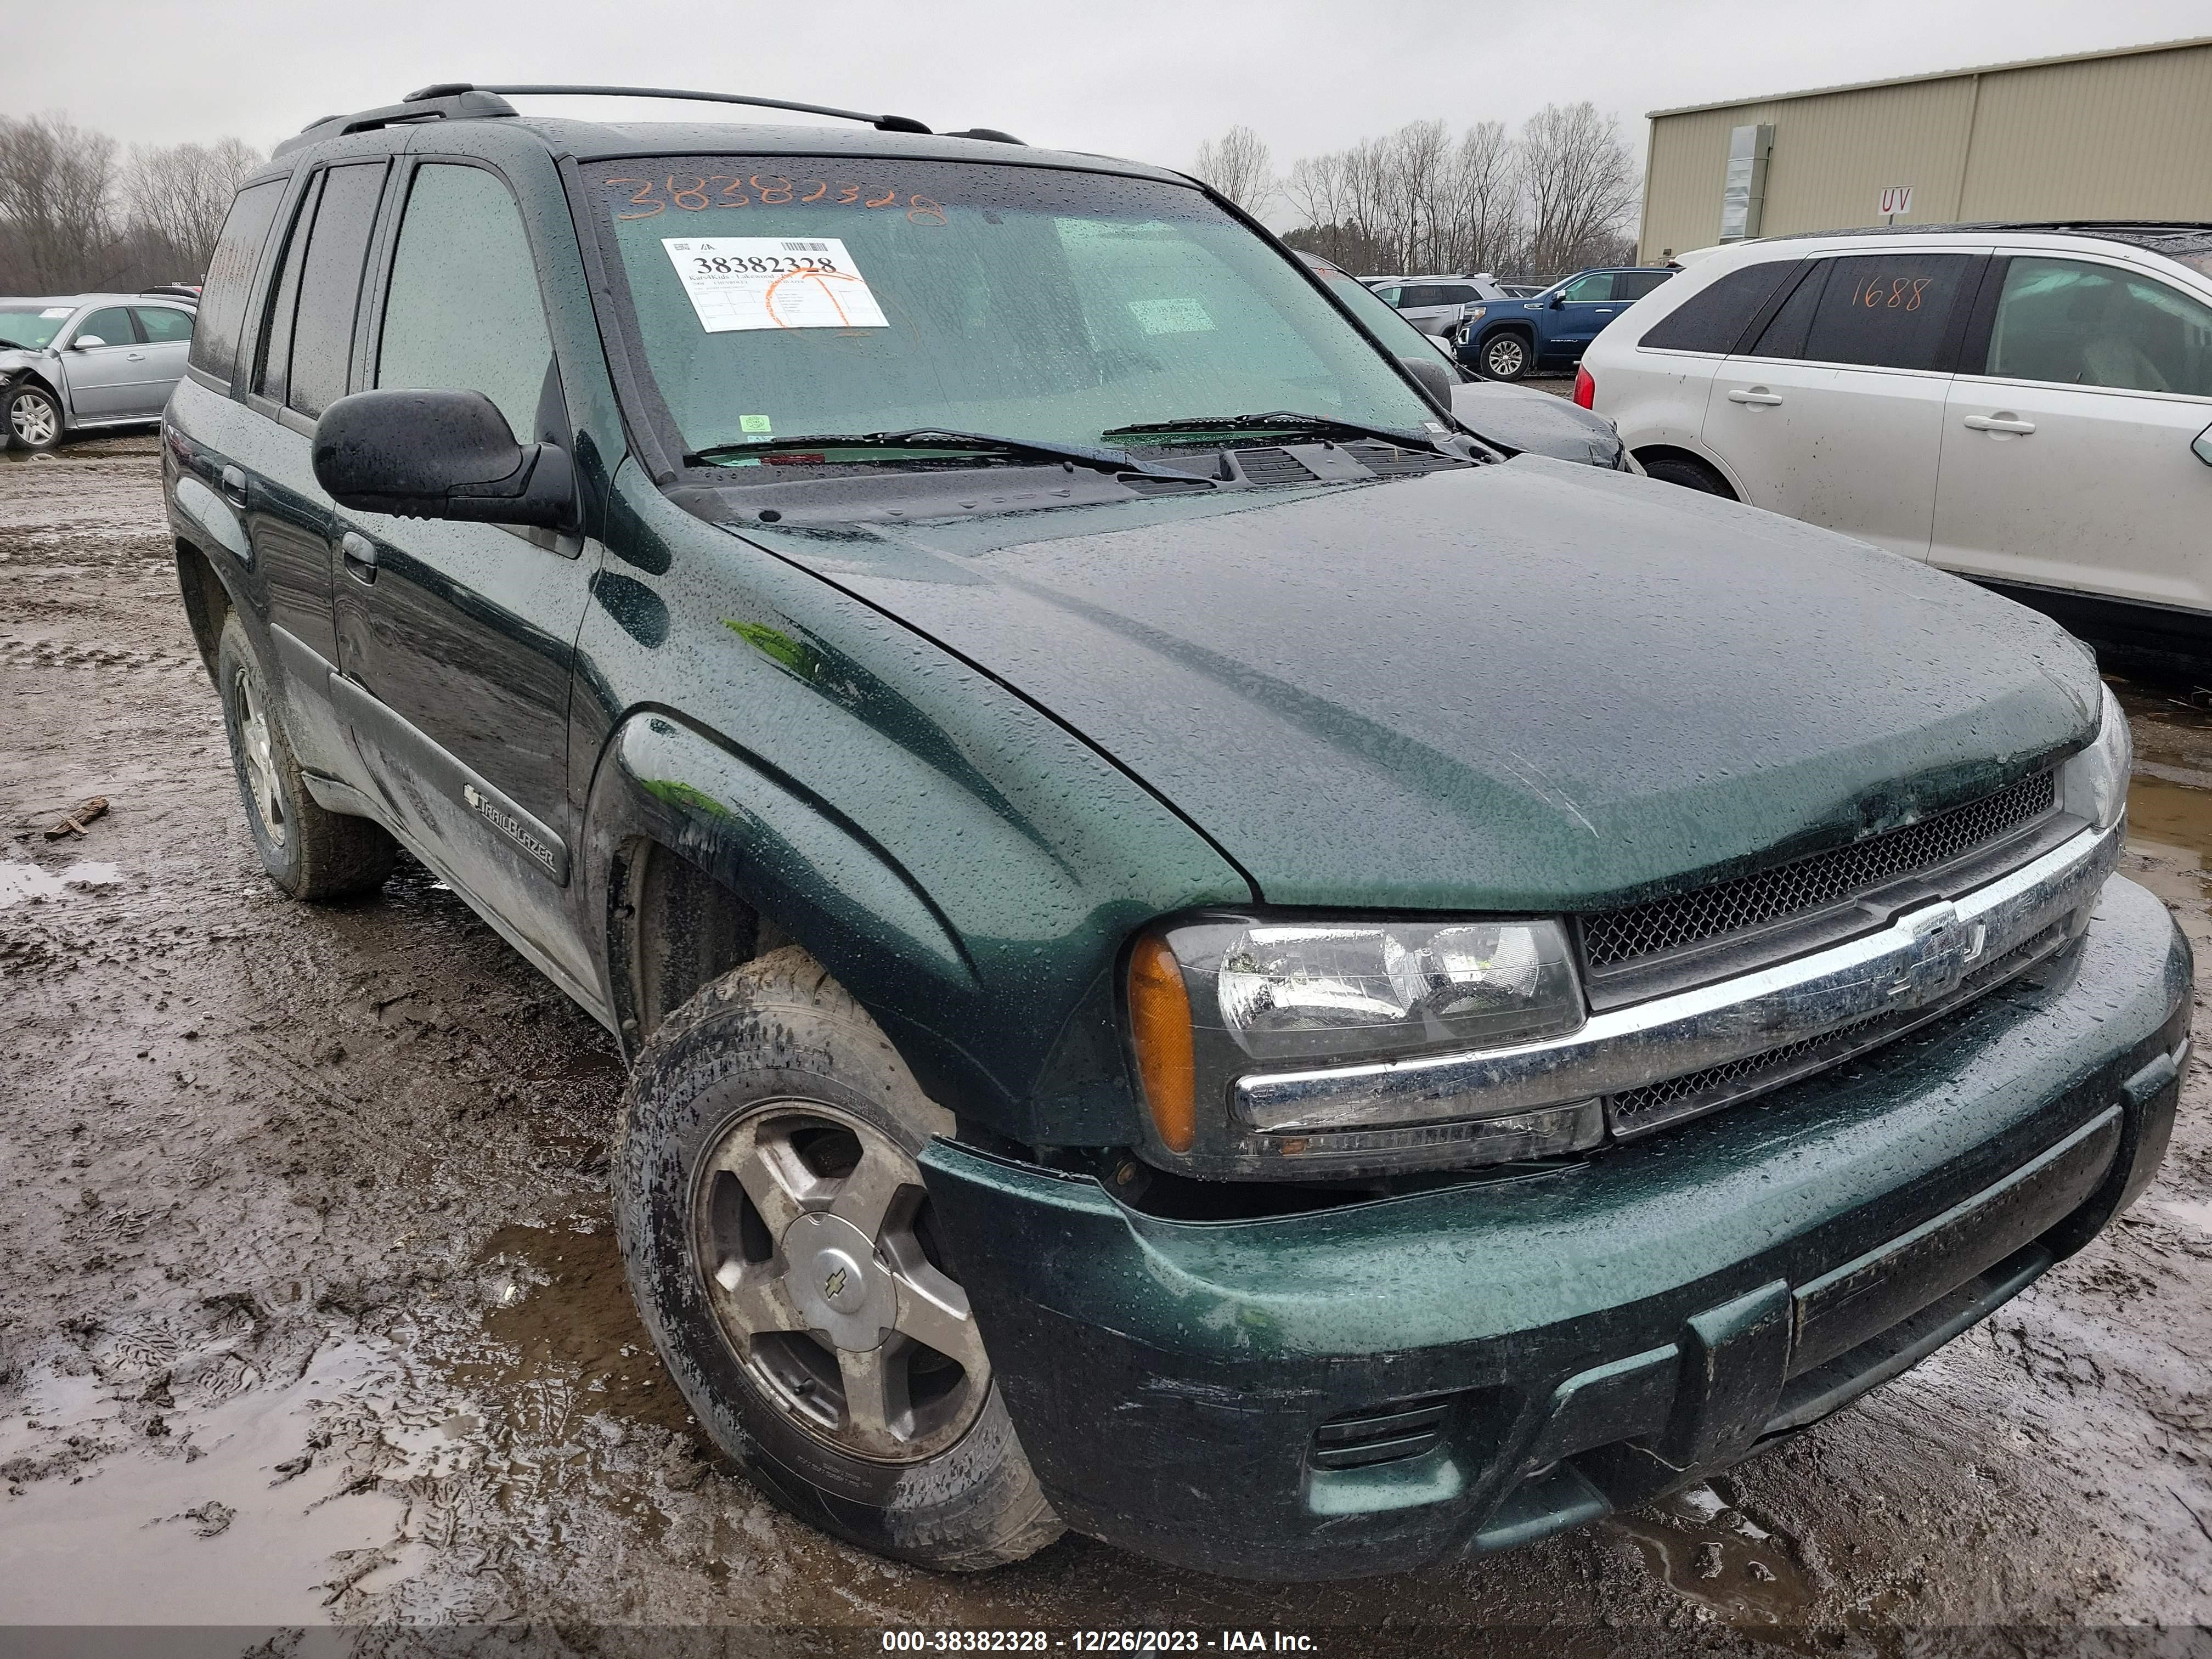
(2067, 444)
(167, 333)
(455, 639)
(106, 367)
(1835, 414)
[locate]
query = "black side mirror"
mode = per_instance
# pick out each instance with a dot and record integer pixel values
(1557, 300)
(441, 455)
(1435, 380)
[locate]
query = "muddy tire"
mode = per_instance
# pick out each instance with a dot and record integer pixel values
(778, 1241)
(30, 418)
(310, 852)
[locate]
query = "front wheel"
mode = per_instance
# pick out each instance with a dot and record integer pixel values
(780, 1245)
(1504, 357)
(33, 418)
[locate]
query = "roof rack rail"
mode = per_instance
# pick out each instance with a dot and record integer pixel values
(454, 103)
(882, 123)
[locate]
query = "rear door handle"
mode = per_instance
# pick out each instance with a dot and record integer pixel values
(137, 357)
(360, 555)
(1758, 397)
(1999, 424)
(234, 486)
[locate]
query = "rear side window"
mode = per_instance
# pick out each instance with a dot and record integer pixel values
(230, 278)
(1882, 311)
(330, 284)
(272, 368)
(1634, 284)
(2089, 324)
(463, 313)
(1715, 319)
(163, 324)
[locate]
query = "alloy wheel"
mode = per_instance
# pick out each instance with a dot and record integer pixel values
(254, 749)
(33, 419)
(1504, 356)
(813, 1231)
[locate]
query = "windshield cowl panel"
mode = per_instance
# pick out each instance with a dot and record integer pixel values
(884, 295)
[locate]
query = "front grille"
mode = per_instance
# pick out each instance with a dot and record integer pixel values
(1611, 938)
(1388, 1434)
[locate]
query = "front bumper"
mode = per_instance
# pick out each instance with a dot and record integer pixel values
(1540, 1350)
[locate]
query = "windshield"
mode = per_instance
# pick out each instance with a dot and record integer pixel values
(839, 297)
(32, 327)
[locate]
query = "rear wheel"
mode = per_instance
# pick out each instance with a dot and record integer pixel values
(32, 418)
(1687, 471)
(308, 851)
(779, 1240)
(1504, 357)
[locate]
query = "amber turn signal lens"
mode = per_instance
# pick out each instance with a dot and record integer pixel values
(1159, 1013)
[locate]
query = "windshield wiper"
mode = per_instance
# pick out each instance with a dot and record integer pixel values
(934, 437)
(1282, 420)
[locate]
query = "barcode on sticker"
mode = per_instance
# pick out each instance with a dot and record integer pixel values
(806, 247)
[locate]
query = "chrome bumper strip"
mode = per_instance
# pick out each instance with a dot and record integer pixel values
(1915, 962)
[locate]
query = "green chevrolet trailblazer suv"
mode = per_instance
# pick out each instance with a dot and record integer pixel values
(1205, 957)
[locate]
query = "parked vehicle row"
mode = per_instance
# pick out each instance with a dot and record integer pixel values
(1204, 958)
(2028, 405)
(89, 360)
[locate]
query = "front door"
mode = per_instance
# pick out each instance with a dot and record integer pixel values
(2067, 458)
(106, 379)
(1585, 306)
(1835, 414)
(455, 639)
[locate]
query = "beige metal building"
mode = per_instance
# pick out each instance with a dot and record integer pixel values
(2109, 135)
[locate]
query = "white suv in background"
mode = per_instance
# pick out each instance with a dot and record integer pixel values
(2029, 405)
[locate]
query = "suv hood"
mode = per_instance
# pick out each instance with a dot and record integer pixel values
(1522, 686)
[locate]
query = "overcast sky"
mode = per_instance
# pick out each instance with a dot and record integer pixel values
(1148, 79)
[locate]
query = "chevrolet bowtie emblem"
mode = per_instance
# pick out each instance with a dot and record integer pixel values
(834, 1287)
(1943, 947)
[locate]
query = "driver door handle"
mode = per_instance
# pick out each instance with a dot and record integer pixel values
(360, 555)
(1758, 397)
(1999, 424)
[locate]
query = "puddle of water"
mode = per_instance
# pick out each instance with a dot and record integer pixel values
(1717, 1555)
(2196, 1213)
(151, 1536)
(19, 881)
(2170, 818)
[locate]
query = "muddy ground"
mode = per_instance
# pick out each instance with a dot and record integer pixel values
(310, 1310)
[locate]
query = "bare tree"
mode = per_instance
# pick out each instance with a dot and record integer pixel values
(1581, 183)
(175, 199)
(56, 222)
(1485, 198)
(1239, 166)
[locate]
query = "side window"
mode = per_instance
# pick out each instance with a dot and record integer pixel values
(1786, 331)
(2091, 325)
(1392, 295)
(1591, 289)
(330, 284)
(111, 326)
(230, 277)
(1886, 311)
(1715, 319)
(463, 312)
(272, 367)
(1459, 294)
(1634, 284)
(163, 324)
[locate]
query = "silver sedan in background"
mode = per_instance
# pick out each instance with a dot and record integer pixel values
(84, 362)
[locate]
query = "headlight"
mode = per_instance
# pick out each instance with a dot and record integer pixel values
(2094, 783)
(1219, 998)
(1476, 314)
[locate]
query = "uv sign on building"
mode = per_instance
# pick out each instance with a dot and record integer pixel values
(2110, 135)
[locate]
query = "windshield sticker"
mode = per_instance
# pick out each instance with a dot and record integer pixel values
(1170, 316)
(769, 281)
(755, 423)
(55, 310)
(696, 192)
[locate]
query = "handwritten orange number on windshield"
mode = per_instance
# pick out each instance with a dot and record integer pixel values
(883, 200)
(921, 210)
(697, 187)
(821, 276)
(821, 189)
(644, 191)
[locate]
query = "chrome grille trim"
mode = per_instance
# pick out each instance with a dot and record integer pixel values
(1922, 961)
